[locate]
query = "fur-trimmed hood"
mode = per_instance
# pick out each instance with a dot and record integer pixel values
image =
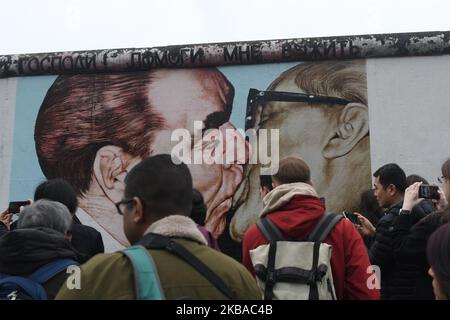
(177, 226)
(283, 194)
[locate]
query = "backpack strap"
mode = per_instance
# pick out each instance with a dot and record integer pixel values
(273, 234)
(146, 279)
(271, 278)
(48, 271)
(318, 235)
(323, 227)
(156, 241)
(270, 230)
(32, 290)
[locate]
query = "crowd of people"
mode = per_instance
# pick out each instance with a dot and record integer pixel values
(397, 247)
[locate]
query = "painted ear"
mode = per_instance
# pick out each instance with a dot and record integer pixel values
(352, 127)
(110, 170)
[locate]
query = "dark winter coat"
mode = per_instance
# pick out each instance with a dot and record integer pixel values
(23, 251)
(382, 253)
(409, 243)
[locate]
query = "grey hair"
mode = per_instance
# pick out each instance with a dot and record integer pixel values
(45, 214)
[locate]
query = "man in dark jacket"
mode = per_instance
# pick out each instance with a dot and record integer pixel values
(390, 185)
(409, 243)
(41, 237)
(85, 239)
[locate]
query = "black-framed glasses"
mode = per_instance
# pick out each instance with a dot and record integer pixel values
(121, 203)
(256, 96)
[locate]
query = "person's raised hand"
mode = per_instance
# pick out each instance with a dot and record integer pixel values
(5, 218)
(411, 198)
(30, 201)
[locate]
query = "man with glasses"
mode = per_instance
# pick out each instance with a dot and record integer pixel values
(321, 111)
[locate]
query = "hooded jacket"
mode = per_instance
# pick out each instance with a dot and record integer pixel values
(23, 251)
(296, 209)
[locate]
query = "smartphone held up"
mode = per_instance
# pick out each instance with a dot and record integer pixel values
(352, 217)
(429, 192)
(15, 206)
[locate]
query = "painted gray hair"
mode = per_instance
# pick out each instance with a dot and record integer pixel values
(45, 214)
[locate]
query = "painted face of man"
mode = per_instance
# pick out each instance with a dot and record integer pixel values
(299, 126)
(301, 134)
(185, 96)
(331, 136)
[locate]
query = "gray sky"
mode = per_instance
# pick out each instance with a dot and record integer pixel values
(48, 25)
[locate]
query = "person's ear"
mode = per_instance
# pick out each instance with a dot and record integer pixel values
(391, 189)
(352, 127)
(110, 168)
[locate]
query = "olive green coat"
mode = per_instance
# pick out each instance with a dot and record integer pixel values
(110, 276)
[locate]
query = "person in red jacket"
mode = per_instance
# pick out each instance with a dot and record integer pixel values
(295, 208)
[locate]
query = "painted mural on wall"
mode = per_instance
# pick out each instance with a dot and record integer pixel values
(321, 111)
(91, 129)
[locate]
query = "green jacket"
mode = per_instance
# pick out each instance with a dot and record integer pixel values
(110, 276)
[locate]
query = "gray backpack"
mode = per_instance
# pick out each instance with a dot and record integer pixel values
(295, 269)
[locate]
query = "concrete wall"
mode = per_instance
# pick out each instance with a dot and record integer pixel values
(409, 105)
